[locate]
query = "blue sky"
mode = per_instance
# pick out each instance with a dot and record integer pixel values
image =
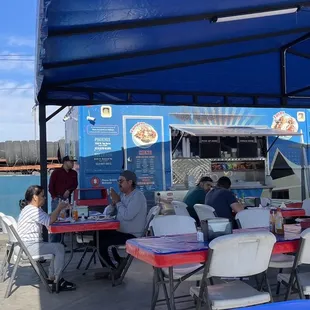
(17, 37)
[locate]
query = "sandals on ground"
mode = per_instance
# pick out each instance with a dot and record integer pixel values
(64, 285)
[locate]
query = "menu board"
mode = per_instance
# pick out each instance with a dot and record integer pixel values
(103, 146)
(144, 150)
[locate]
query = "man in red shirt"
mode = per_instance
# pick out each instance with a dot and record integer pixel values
(63, 182)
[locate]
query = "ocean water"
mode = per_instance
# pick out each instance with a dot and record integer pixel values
(12, 189)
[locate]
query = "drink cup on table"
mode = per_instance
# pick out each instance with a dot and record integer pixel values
(75, 214)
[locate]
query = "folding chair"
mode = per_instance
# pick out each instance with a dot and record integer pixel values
(88, 241)
(302, 280)
(19, 249)
(175, 225)
(204, 211)
(306, 206)
(6, 260)
(256, 218)
(154, 211)
(249, 255)
(180, 208)
(253, 218)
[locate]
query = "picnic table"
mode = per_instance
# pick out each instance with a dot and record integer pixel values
(170, 251)
(286, 305)
(61, 227)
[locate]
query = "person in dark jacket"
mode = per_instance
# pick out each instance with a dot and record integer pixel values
(223, 200)
(63, 182)
(197, 195)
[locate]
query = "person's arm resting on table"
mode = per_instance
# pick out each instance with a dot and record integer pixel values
(234, 204)
(237, 207)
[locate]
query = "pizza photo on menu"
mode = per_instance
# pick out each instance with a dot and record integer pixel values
(284, 121)
(144, 135)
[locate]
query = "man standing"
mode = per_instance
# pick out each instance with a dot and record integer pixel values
(63, 182)
(223, 200)
(131, 210)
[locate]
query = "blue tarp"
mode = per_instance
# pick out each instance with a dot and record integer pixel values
(173, 52)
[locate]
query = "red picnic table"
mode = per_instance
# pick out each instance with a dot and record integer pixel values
(170, 251)
(287, 212)
(83, 226)
(61, 227)
(293, 212)
(285, 305)
(293, 209)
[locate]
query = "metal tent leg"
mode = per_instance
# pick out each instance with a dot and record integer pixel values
(43, 159)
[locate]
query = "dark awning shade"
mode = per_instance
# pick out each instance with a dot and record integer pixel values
(209, 53)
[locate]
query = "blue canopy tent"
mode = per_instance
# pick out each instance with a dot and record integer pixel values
(170, 52)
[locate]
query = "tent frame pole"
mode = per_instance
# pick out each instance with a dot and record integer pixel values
(43, 154)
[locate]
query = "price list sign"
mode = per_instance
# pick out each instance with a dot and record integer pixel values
(144, 150)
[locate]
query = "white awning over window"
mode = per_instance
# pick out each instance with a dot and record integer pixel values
(232, 131)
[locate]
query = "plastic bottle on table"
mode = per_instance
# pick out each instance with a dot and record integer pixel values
(279, 223)
(75, 214)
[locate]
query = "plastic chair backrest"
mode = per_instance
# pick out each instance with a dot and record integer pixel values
(253, 218)
(13, 221)
(306, 206)
(14, 237)
(204, 211)
(249, 254)
(180, 208)
(8, 225)
(173, 225)
(265, 201)
(304, 250)
(2, 226)
(154, 211)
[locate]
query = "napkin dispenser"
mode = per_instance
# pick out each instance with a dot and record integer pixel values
(215, 227)
(83, 210)
(257, 202)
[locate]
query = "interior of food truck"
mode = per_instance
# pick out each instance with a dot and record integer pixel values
(239, 152)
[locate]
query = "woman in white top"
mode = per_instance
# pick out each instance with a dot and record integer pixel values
(30, 222)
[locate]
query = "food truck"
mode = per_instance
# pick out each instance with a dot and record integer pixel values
(263, 151)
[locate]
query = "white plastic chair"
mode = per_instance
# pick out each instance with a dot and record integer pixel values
(169, 225)
(249, 255)
(301, 279)
(253, 218)
(2, 225)
(265, 201)
(256, 218)
(19, 249)
(153, 213)
(180, 208)
(306, 206)
(176, 225)
(204, 211)
(8, 246)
